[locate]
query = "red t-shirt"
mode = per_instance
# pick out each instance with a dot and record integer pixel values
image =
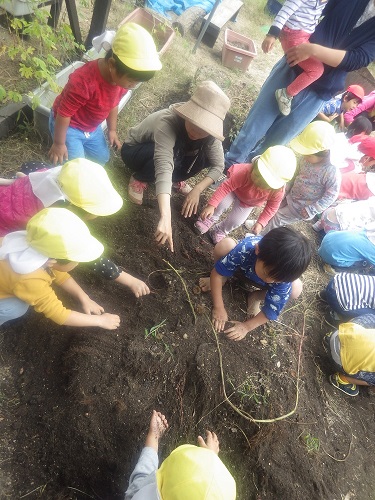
(87, 98)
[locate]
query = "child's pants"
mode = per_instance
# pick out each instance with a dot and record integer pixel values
(312, 68)
(12, 308)
(235, 217)
(90, 145)
(283, 217)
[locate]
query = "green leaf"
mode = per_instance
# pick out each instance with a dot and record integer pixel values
(26, 71)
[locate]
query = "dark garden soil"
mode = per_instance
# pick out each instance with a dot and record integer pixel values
(76, 403)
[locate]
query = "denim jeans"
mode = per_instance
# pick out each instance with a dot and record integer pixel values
(12, 308)
(265, 126)
(90, 145)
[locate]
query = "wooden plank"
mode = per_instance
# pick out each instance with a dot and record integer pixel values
(225, 11)
(98, 20)
(73, 20)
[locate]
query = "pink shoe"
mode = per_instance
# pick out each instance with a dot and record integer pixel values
(204, 225)
(182, 187)
(135, 190)
(216, 235)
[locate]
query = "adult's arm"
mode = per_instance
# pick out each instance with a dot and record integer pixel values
(299, 53)
(163, 232)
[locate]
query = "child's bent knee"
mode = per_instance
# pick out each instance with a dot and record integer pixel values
(297, 288)
(223, 247)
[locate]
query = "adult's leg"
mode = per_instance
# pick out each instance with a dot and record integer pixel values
(234, 218)
(265, 120)
(96, 147)
(12, 308)
(140, 160)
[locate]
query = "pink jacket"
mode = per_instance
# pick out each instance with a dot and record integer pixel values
(18, 204)
(368, 104)
(240, 184)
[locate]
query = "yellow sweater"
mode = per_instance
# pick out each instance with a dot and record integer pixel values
(35, 289)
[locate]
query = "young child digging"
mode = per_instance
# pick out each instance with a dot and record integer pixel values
(93, 93)
(273, 263)
(189, 472)
(249, 185)
(316, 184)
(294, 24)
(335, 108)
(54, 242)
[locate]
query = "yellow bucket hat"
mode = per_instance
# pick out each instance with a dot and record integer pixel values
(277, 166)
(87, 185)
(317, 136)
(195, 473)
(57, 233)
(135, 47)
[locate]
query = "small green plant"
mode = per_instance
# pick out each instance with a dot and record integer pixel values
(154, 331)
(251, 389)
(36, 47)
(312, 443)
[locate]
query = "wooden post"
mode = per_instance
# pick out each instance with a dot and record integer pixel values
(73, 19)
(98, 20)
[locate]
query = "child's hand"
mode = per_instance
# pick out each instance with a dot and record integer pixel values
(109, 321)
(219, 318)
(113, 139)
(207, 212)
(256, 229)
(237, 332)
(91, 307)
(268, 43)
(58, 154)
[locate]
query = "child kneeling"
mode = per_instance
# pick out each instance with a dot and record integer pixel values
(54, 242)
(273, 262)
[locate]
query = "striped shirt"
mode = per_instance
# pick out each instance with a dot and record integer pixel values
(355, 291)
(298, 15)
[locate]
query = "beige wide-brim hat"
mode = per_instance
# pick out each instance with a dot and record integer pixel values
(206, 109)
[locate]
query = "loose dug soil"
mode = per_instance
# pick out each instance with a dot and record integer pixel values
(76, 403)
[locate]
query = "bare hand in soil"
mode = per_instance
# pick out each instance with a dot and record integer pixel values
(205, 284)
(236, 332)
(138, 287)
(268, 43)
(211, 443)
(58, 154)
(219, 318)
(299, 53)
(191, 202)
(207, 212)
(163, 233)
(89, 306)
(158, 426)
(109, 321)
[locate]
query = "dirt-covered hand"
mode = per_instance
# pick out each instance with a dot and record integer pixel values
(89, 306)
(211, 442)
(163, 232)
(109, 321)
(236, 332)
(191, 202)
(58, 154)
(219, 318)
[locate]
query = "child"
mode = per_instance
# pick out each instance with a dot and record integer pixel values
(352, 348)
(350, 294)
(248, 186)
(335, 108)
(294, 24)
(54, 242)
(353, 216)
(316, 184)
(188, 472)
(274, 262)
(93, 93)
(175, 144)
(348, 248)
(81, 185)
(366, 109)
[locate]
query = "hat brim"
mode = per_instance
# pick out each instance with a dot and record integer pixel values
(139, 64)
(89, 249)
(111, 204)
(272, 181)
(300, 148)
(201, 118)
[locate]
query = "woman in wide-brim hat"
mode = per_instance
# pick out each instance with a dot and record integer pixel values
(174, 144)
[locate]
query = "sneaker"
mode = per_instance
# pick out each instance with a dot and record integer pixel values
(135, 190)
(182, 187)
(284, 101)
(204, 225)
(349, 389)
(322, 296)
(249, 223)
(216, 235)
(327, 342)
